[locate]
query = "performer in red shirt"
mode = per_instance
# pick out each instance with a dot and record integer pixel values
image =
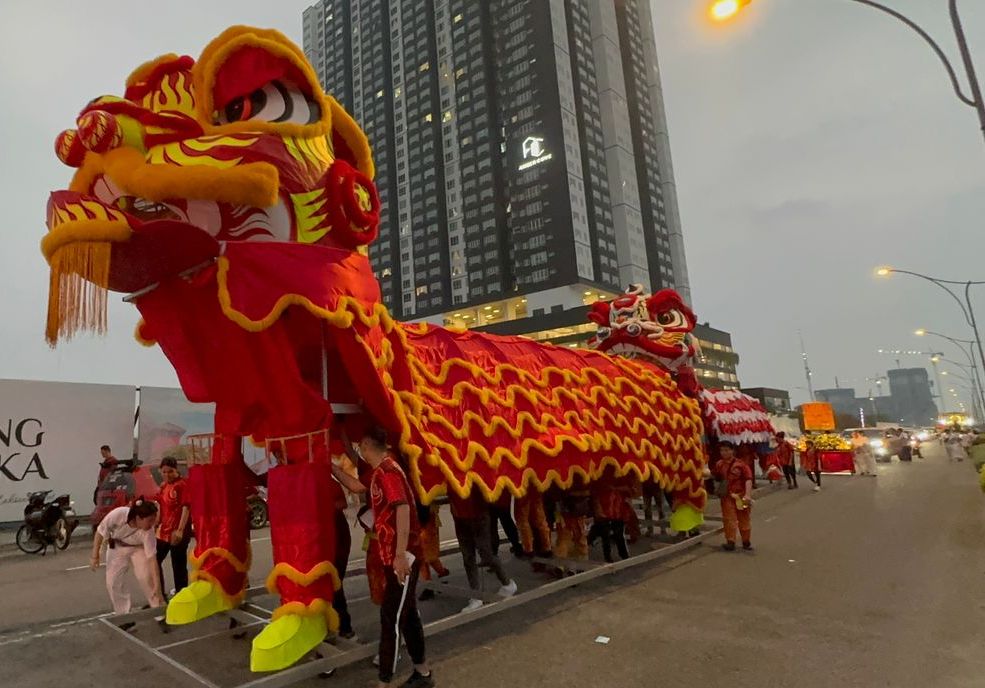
(173, 530)
(784, 457)
(396, 528)
(736, 495)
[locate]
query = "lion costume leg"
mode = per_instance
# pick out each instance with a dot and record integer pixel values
(301, 499)
(221, 558)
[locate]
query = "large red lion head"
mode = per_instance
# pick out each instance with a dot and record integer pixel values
(240, 145)
(653, 327)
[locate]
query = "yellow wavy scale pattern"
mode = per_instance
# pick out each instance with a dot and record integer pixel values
(568, 415)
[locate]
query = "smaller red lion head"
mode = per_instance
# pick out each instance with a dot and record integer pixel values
(655, 327)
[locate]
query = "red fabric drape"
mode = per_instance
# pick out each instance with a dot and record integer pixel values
(301, 502)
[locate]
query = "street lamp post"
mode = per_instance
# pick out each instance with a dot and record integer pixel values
(726, 9)
(966, 308)
(960, 344)
(975, 393)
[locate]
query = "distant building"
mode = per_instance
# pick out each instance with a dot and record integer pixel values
(716, 367)
(521, 148)
(842, 399)
(773, 400)
(911, 396)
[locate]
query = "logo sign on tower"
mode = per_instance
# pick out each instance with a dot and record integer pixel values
(533, 152)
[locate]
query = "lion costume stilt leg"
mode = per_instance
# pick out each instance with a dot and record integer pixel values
(221, 558)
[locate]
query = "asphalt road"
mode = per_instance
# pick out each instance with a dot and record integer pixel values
(871, 582)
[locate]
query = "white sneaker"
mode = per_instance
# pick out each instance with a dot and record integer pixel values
(376, 659)
(508, 590)
(817, 488)
(472, 606)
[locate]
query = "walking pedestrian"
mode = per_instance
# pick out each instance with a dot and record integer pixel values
(784, 456)
(471, 516)
(608, 503)
(905, 449)
(396, 527)
(128, 532)
(174, 529)
(954, 443)
(810, 462)
(735, 492)
(865, 460)
(501, 514)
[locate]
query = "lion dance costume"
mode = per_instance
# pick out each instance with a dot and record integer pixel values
(233, 200)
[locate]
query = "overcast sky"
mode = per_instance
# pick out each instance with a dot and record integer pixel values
(812, 141)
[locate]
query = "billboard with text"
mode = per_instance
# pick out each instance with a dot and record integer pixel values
(50, 434)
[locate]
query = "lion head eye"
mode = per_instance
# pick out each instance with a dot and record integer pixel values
(275, 102)
(671, 318)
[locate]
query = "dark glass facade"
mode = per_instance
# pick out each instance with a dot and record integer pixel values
(491, 149)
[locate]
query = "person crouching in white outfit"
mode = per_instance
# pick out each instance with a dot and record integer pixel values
(128, 532)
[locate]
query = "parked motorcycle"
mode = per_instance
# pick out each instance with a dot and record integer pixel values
(46, 523)
(256, 504)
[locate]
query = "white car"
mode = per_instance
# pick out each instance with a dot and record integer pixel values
(880, 449)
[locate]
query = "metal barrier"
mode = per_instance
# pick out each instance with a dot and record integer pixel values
(338, 652)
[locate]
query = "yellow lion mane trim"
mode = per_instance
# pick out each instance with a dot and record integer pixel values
(83, 231)
(231, 600)
(253, 184)
(355, 138)
(320, 570)
(274, 42)
(316, 608)
(415, 407)
(221, 552)
(342, 317)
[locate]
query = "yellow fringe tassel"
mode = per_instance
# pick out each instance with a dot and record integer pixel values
(77, 289)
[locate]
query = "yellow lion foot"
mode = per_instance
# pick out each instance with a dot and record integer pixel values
(686, 518)
(286, 640)
(197, 601)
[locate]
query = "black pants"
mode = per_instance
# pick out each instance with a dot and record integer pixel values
(343, 543)
(814, 477)
(398, 615)
(610, 531)
(179, 563)
(503, 517)
(790, 473)
(473, 536)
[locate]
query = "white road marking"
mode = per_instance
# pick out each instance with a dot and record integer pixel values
(53, 630)
(79, 621)
(79, 568)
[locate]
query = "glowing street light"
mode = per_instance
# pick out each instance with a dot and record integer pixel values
(723, 10)
(883, 272)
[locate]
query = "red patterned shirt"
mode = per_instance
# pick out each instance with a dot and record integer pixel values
(389, 489)
(173, 498)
